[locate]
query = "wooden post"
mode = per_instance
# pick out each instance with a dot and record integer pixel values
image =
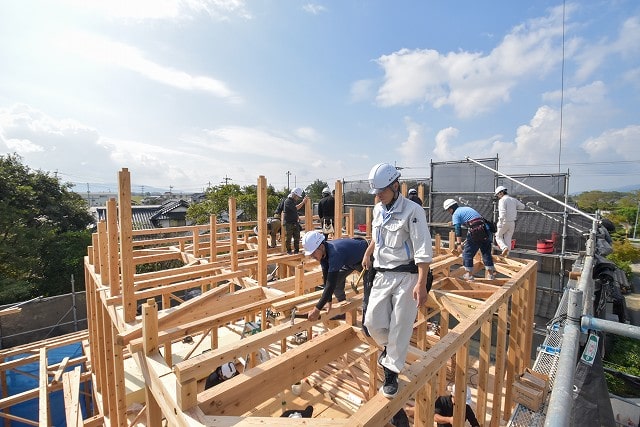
(112, 231)
(213, 249)
(339, 209)
(262, 232)
(233, 234)
(498, 379)
(126, 245)
(483, 369)
(369, 215)
(308, 215)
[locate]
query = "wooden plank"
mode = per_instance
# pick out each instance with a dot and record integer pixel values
(71, 393)
(206, 305)
(10, 310)
(43, 395)
(200, 325)
(243, 392)
(60, 370)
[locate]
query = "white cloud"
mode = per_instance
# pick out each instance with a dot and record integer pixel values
(594, 92)
(22, 146)
(413, 150)
(362, 90)
(314, 9)
(632, 77)
(164, 9)
(307, 133)
(471, 82)
(103, 50)
(442, 149)
(626, 45)
(614, 144)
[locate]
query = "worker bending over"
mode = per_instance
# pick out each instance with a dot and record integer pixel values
(338, 259)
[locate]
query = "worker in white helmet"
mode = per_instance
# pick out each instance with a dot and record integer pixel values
(326, 212)
(412, 195)
(478, 237)
(402, 252)
(507, 213)
(292, 204)
(338, 259)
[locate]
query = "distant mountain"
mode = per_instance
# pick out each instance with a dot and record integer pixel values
(627, 188)
(83, 187)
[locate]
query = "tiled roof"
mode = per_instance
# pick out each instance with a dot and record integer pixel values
(144, 216)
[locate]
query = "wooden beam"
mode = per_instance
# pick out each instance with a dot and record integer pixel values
(71, 387)
(243, 392)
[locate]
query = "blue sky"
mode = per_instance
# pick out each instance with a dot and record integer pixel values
(188, 93)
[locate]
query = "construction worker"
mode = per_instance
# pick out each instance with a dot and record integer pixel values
(221, 374)
(273, 229)
(402, 252)
(326, 212)
(507, 213)
(413, 196)
(292, 204)
(338, 259)
(478, 237)
(443, 412)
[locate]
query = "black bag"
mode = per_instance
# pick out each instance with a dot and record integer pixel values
(492, 226)
(478, 230)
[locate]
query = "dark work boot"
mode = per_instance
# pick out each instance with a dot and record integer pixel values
(390, 387)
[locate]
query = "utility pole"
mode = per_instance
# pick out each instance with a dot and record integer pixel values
(636, 225)
(288, 175)
(88, 195)
(226, 179)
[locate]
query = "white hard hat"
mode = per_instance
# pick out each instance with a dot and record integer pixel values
(228, 370)
(381, 176)
(448, 203)
(326, 190)
(311, 241)
(297, 191)
(499, 188)
(413, 191)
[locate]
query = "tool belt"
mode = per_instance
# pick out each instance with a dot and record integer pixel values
(411, 267)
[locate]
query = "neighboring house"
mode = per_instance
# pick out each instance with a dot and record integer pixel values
(223, 216)
(170, 214)
(198, 197)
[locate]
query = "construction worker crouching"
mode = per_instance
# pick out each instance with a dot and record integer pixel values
(273, 230)
(402, 252)
(338, 259)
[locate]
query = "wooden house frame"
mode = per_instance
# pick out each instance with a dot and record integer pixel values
(135, 351)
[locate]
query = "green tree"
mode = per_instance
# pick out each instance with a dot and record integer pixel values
(314, 190)
(591, 201)
(39, 219)
(217, 202)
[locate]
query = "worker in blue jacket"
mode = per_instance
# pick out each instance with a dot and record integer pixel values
(338, 259)
(479, 237)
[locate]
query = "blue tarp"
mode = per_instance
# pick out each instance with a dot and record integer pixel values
(18, 383)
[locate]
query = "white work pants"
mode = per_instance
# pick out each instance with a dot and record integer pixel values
(390, 315)
(504, 234)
